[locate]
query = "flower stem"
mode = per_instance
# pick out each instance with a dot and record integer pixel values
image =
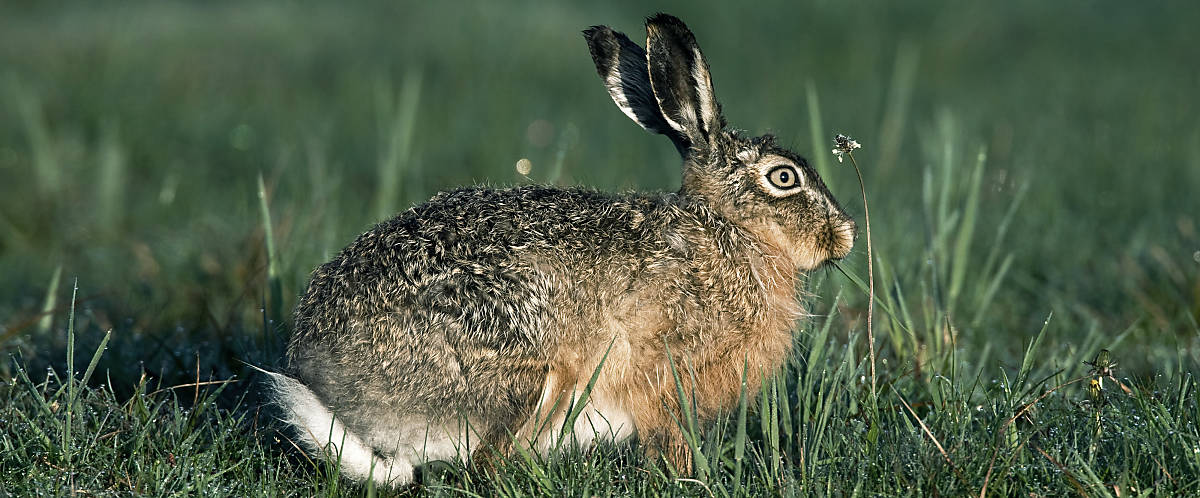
(870, 276)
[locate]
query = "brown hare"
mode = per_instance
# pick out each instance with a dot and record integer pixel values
(475, 321)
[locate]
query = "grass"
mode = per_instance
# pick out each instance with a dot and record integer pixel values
(1031, 169)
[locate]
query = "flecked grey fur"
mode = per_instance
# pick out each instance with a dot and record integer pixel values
(464, 306)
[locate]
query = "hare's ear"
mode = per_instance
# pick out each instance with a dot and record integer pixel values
(622, 65)
(680, 79)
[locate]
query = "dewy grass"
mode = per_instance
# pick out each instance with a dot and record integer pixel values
(67, 434)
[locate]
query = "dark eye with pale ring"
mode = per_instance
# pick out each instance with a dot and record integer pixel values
(784, 177)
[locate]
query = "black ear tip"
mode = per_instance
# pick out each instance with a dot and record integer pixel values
(665, 20)
(604, 44)
(595, 32)
(602, 39)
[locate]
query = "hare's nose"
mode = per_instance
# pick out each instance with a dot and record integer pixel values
(852, 227)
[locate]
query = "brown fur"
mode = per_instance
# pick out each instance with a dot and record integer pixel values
(496, 306)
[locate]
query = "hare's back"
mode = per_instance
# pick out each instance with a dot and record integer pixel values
(483, 230)
(483, 256)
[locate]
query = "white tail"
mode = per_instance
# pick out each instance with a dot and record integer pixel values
(320, 432)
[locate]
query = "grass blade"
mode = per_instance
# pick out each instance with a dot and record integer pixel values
(989, 292)
(891, 131)
(49, 303)
(112, 179)
(739, 439)
(1027, 361)
(817, 133)
(46, 164)
(71, 386)
(87, 374)
(397, 126)
(687, 420)
(577, 405)
(274, 299)
(966, 233)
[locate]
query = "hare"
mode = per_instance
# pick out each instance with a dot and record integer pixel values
(476, 321)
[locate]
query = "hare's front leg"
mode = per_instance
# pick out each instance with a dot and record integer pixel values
(659, 432)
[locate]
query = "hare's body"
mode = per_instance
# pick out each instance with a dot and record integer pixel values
(475, 320)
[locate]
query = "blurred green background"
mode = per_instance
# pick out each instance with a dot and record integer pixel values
(132, 136)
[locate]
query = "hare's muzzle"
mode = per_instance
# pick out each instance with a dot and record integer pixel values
(842, 232)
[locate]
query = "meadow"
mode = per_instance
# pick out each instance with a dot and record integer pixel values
(170, 173)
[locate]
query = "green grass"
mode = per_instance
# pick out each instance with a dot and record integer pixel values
(1032, 170)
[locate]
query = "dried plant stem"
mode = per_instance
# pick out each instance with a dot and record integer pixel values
(933, 438)
(870, 275)
(1066, 472)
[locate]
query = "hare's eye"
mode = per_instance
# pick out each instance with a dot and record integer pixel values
(783, 177)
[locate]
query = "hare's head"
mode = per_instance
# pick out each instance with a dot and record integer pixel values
(667, 89)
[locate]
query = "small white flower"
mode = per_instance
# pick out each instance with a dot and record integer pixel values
(845, 145)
